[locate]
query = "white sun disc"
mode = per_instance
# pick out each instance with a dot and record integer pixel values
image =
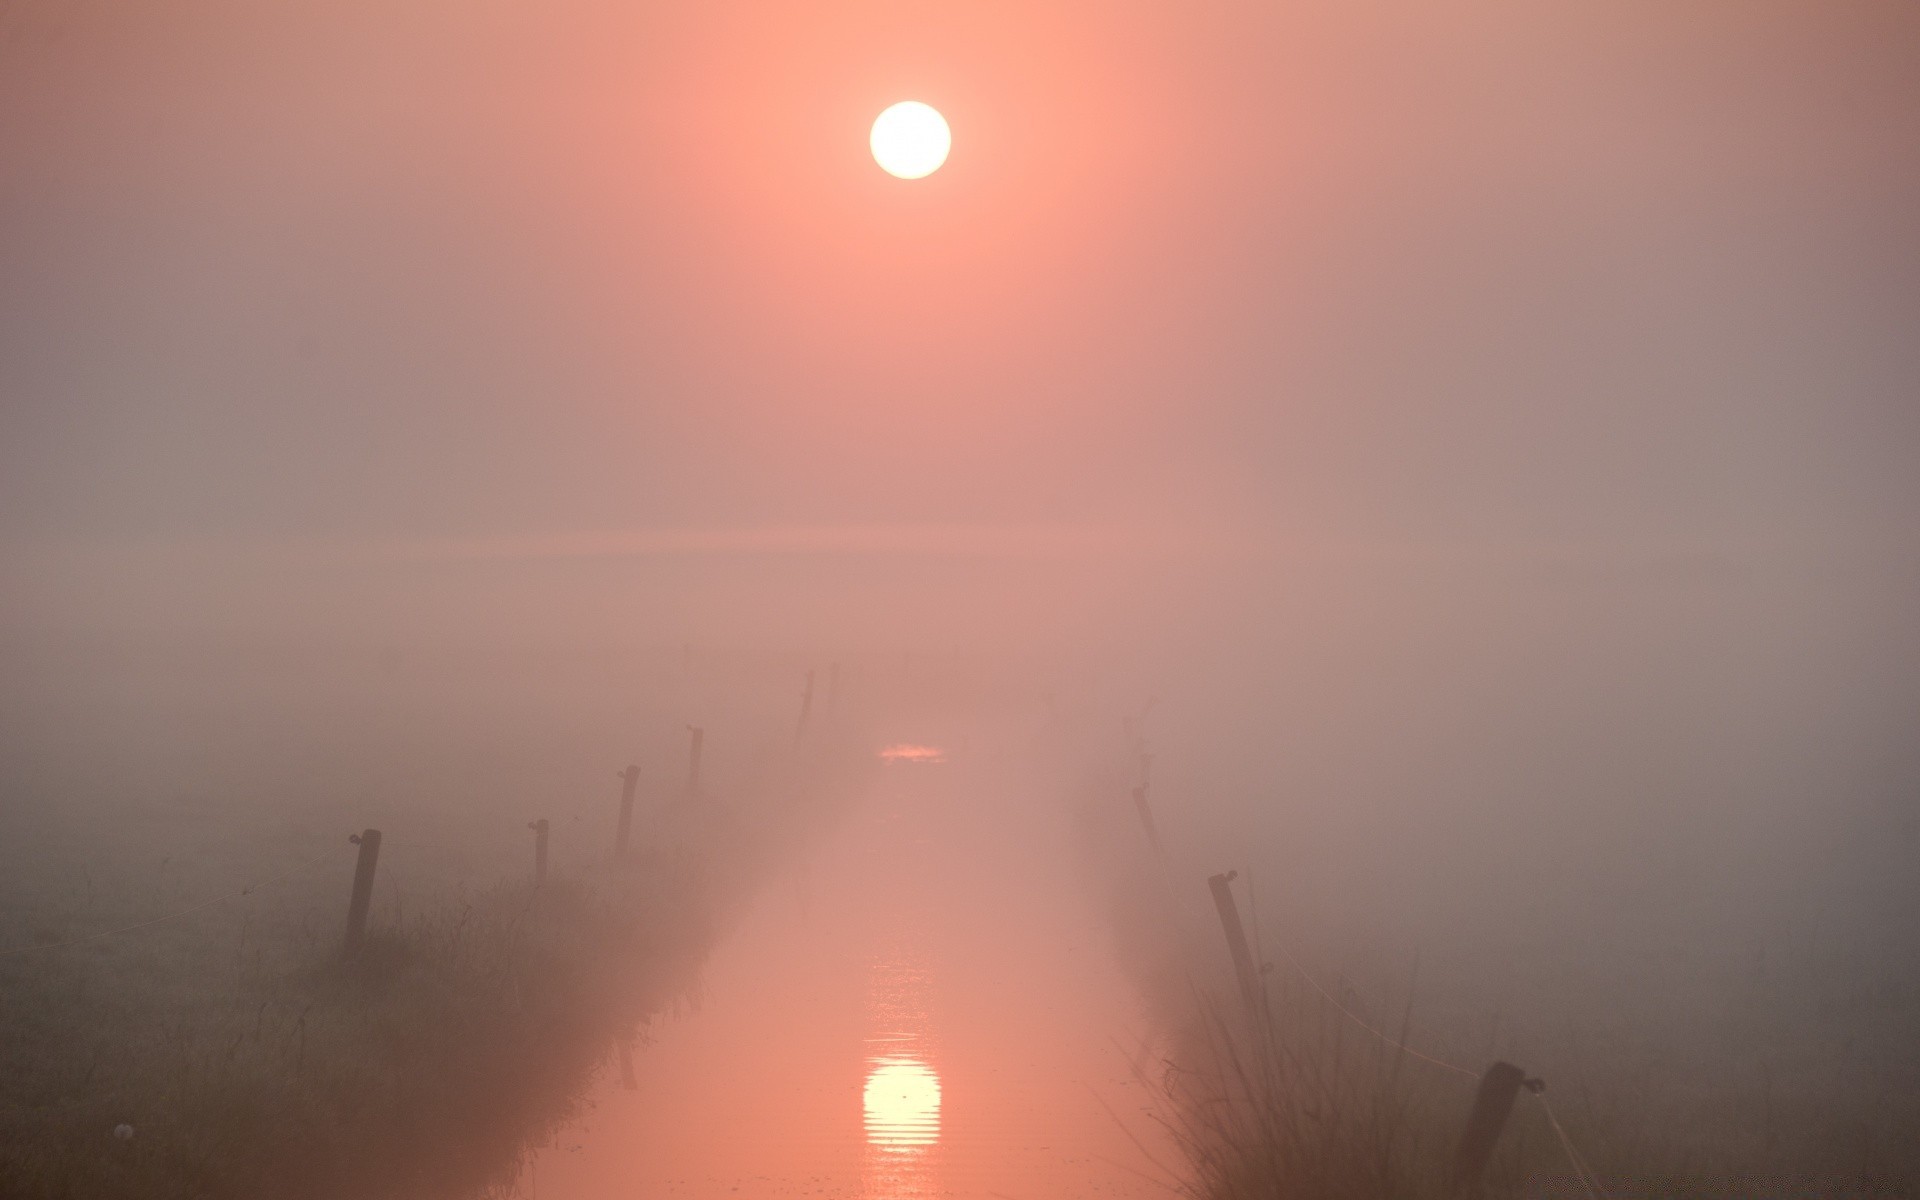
(911, 140)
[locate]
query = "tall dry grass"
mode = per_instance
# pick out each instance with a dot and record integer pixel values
(1314, 1096)
(1297, 1102)
(418, 1069)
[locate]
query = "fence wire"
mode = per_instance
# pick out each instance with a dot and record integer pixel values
(248, 890)
(1583, 1172)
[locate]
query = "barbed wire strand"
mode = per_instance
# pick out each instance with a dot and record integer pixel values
(1356, 1019)
(1581, 1171)
(1589, 1180)
(174, 916)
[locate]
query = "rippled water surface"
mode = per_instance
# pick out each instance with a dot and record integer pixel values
(926, 1007)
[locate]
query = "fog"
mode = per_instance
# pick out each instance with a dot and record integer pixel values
(1475, 453)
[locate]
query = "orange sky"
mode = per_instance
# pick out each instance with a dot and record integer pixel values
(1339, 273)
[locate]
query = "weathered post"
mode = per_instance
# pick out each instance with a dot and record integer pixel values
(693, 759)
(369, 842)
(1491, 1106)
(539, 850)
(628, 779)
(1250, 990)
(806, 706)
(1146, 818)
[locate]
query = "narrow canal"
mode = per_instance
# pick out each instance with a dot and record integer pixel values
(926, 1007)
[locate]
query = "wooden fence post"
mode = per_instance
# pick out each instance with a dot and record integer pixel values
(806, 706)
(1250, 990)
(693, 759)
(539, 850)
(369, 842)
(1491, 1106)
(629, 778)
(1146, 819)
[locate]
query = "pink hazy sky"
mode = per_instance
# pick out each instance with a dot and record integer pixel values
(624, 275)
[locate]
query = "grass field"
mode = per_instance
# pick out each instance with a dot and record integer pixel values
(1679, 1061)
(243, 1054)
(420, 1067)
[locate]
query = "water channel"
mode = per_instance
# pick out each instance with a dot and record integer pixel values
(926, 1007)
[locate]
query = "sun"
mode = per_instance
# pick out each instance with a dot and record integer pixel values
(910, 140)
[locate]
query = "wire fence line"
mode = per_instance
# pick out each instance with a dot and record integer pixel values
(1396, 1043)
(390, 874)
(248, 890)
(1583, 1172)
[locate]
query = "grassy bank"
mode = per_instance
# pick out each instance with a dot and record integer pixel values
(420, 1068)
(1314, 1105)
(1730, 1079)
(247, 1059)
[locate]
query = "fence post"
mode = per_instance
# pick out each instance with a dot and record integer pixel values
(1146, 820)
(629, 778)
(539, 850)
(693, 759)
(1491, 1106)
(369, 842)
(1243, 966)
(806, 706)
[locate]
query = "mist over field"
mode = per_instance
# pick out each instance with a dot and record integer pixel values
(1472, 455)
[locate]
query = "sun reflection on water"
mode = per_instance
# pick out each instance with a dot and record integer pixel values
(901, 1099)
(910, 753)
